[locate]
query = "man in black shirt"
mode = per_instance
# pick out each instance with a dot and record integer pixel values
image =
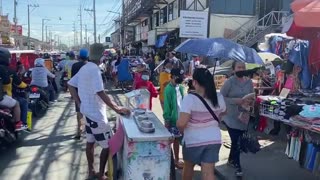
(83, 57)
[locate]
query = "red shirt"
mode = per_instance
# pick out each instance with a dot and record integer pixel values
(150, 87)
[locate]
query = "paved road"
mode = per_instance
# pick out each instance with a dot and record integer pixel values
(50, 153)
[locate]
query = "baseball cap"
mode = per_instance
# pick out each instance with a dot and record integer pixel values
(84, 53)
(71, 54)
(177, 72)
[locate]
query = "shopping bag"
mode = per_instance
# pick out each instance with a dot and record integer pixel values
(29, 120)
(249, 143)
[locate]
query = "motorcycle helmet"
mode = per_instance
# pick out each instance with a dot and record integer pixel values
(5, 56)
(39, 62)
(72, 54)
(84, 53)
(46, 55)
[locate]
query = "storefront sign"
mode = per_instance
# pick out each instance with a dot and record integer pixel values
(4, 24)
(17, 28)
(193, 24)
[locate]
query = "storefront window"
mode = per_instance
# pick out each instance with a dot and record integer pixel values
(170, 12)
(239, 7)
(175, 10)
(156, 19)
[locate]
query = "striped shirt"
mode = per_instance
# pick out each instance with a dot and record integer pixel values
(202, 128)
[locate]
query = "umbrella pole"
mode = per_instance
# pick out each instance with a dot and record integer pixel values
(215, 65)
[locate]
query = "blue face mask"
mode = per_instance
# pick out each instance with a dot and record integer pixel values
(145, 77)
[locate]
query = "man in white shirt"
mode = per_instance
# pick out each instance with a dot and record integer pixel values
(93, 102)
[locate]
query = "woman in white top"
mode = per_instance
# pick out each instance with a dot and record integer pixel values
(202, 136)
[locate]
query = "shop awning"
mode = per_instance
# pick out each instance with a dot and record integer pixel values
(161, 41)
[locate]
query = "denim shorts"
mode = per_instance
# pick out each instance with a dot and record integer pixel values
(201, 154)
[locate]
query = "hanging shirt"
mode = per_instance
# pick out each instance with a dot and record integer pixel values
(299, 56)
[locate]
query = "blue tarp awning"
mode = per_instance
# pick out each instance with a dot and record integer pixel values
(161, 41)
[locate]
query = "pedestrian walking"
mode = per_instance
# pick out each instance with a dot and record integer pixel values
(199, 123)
(233, 90)
(93, 102)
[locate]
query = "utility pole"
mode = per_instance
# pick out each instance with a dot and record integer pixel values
(86, 33)
(43, 21)
(47, 33)
(99, 38)
(80, 25)
(50, 39)
(94, 20)
(0, 7)
(35, 6)
(74, 33)
(15, 15)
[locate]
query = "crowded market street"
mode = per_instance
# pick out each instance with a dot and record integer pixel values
(49, 151)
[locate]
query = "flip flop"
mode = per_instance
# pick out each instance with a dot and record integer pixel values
(95, 176)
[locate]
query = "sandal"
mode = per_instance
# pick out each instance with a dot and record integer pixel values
(179, 164)
(95, 176)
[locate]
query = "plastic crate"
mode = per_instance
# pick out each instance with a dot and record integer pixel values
(269, 111)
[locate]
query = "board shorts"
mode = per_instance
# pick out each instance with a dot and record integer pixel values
(99, 132)
(201, 154)
(8, 102)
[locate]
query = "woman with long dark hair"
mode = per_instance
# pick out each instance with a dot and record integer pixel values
(199, 123)
(233, 90)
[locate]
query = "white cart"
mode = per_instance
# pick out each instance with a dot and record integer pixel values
(145, 156)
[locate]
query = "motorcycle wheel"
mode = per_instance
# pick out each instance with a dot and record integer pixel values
(39, 108)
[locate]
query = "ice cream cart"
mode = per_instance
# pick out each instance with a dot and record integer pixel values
(146, 153)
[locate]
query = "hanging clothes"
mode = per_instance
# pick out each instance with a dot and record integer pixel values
(299, 56)
(314, 56)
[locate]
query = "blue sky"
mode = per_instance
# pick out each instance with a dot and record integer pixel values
(68, 10)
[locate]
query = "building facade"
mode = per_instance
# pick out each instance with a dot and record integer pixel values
(156, 25)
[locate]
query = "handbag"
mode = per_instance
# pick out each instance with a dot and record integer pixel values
(207, 106)
(249, 143)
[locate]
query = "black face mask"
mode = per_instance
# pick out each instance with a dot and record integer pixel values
(179, 80)
(241, 74)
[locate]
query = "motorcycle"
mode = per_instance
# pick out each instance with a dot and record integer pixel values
(8, 135)
(64, 81)
(38, 101)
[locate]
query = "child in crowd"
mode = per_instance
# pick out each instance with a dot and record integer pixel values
(138, 74)
(147, 84)
(173, 95)
(164, 79)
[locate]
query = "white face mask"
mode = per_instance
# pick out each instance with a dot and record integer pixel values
(145, 77)
(167, 70)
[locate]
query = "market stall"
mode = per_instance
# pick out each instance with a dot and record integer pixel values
(297, 103)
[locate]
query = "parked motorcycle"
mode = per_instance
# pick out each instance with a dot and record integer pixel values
(38, 101)
(64, 81)
(8, 135)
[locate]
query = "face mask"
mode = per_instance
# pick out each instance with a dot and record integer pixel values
(167, 70)
(179, 80)
(240, 74)
(145, 77)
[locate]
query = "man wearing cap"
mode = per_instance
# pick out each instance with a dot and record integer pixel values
(175, 61)
(83, 57)
(93, 102)
(194, 63)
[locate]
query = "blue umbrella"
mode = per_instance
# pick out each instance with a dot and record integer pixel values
(220, 48)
